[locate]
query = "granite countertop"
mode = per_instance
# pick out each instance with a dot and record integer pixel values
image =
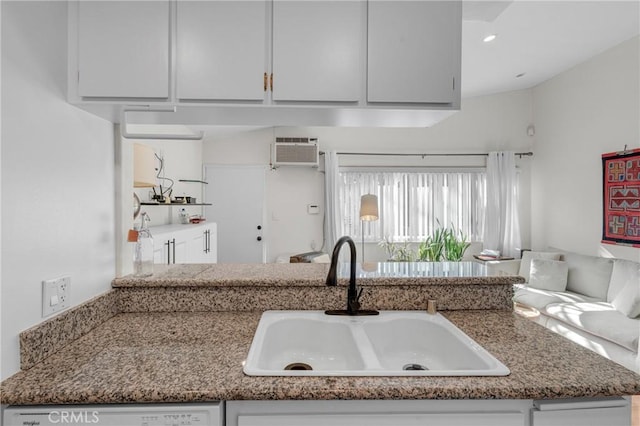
(197, 356)
(314, 274)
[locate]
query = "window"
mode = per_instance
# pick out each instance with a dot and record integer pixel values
(413, 204)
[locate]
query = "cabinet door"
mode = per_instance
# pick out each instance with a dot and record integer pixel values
(586, 412)
(161, 251)
(179, 249)
(212, 254)
(221, 50)
(209, 251)
(317, 50)
(413, 51)
(196, 245)
(409, 419)
(123, 49)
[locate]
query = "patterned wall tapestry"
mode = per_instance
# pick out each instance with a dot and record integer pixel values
(621, 197)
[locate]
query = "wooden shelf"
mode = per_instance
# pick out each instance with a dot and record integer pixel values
(193, 181)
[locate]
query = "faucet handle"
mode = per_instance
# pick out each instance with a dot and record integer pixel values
(354, 305)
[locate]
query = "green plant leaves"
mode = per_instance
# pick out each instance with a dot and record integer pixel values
(445, 244)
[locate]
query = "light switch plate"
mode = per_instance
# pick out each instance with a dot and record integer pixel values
(55, 295)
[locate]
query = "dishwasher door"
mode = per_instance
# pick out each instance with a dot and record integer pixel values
(192, 414)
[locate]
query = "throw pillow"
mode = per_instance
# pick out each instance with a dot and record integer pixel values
(548, 274)
(525, 262)
(588, 275)
(627, 275)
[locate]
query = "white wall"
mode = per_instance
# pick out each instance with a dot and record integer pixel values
(289, 228)
(489, 123)
(580, 114)
(57, 175)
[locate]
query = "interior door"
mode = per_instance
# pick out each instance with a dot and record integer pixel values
(237, 197)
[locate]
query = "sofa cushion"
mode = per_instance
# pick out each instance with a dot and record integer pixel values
(624, 288)
(548, 274)
(588, 275)
(538, 298)
(621, 273)
(600, 319)
(525, 262)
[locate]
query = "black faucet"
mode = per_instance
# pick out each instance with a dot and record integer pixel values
(353, 296)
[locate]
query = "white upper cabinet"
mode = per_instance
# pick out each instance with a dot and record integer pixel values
(318, 50)
(221, 50)
(270, 62)
(414, 51)
(123, 49)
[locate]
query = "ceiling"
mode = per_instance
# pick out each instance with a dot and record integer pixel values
(538, 38)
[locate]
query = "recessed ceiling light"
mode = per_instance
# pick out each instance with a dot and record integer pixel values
(490, 38)
(520, 75)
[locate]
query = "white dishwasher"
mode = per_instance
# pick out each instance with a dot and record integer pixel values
(195, 414)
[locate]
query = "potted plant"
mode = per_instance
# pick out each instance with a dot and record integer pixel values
(432, 249)
(397, 252)
(444, 244)
(455, 244)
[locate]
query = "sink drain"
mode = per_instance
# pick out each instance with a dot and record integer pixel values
(414, 367)
(298, 366)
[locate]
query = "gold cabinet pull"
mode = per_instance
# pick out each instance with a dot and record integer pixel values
(265, 81)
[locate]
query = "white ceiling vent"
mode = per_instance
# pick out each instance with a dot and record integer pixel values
(295, 152)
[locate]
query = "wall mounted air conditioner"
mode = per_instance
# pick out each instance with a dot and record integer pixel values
(296, 152)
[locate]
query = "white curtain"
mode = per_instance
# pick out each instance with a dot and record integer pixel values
(332, 211)
(414, 204)
(502, 227)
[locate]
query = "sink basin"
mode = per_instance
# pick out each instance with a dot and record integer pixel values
(297, 341)
(394, 343)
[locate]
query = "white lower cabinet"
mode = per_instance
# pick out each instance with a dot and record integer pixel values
(184, 243)
(603, 411)
(609, 411)
(201, 245)
(378, 413)
(169, 248)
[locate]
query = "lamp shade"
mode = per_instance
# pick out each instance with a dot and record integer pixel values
(369, 207)
(144, 166)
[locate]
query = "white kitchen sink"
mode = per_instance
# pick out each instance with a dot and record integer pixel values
(394, 343)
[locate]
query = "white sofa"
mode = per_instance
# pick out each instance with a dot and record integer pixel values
(599, 308)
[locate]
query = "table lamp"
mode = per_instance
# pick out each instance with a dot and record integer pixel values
(368, 213)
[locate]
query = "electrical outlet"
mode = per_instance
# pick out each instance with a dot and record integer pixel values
(55, 295)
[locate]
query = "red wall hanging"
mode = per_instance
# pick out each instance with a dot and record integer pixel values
(621, 197)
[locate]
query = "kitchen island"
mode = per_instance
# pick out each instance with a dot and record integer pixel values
(181, 351)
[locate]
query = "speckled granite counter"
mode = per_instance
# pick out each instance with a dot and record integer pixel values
(260, 287)
(176, 357)
(183, 334)
(246, 287)
(314, 274)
